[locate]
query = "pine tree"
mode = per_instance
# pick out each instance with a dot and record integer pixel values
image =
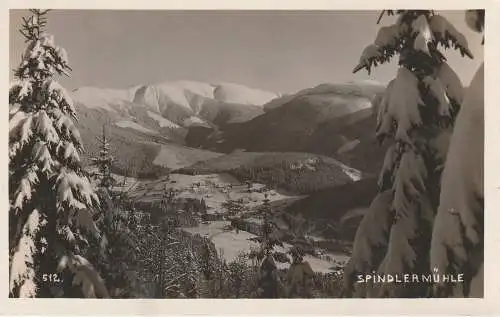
(416, 117)
(269, 281)
(115, 255)
(50, 197)
(458, 233)
(103, 161)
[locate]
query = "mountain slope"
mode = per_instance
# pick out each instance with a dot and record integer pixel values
(321, 120)
(137, 150)
(336, 211)
(145, 122)
(364, 89)
(298, 173)
(180, 101)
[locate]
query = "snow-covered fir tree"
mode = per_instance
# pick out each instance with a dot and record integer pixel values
(269, 282)
(270, 234)
(458, 234)
(50, 197)
(415, 117)
(115, 254)
(103, 161)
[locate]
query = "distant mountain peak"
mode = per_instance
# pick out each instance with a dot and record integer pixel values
(173, 105)
(366, 90)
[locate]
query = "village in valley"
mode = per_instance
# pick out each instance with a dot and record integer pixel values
(227, 211)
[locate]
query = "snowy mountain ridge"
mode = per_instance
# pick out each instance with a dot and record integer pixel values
(327, 92)
(180, 92)
(186, 113)
(173, 106)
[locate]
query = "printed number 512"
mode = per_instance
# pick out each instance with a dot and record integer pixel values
(51, 278)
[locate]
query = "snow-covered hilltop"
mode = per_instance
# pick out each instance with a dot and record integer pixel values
(104, 98)
(234, 93)
(168, 109)
(353, 93)
(332, 119)
(188, 95)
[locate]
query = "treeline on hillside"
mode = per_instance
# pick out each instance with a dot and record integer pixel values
(284, 175)
(298, 181)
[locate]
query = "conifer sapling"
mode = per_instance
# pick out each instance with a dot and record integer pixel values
(103, 161)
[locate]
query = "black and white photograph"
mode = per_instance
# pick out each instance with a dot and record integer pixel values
(246, 154)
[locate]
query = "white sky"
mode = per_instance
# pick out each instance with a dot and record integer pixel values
(275, 50)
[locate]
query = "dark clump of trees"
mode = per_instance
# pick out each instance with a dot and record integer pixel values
(294, 180)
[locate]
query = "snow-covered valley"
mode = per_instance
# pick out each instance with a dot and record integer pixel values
(215, 190)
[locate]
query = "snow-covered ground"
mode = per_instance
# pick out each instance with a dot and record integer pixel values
(125, 184)
(164, 123)
(215, 189)
(234, 93)
(193, 120)
(178, 157)
(231, 244)
(103, 98)
(349, 146)
(342, 96)
(135, 126)
(161, 96)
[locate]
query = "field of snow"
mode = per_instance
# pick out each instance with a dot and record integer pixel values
(125, 184)
(349, 146)
(175, 157)
(164, 123)
(194, 121)
(122, 183)
(135, 126)
(231, 244)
